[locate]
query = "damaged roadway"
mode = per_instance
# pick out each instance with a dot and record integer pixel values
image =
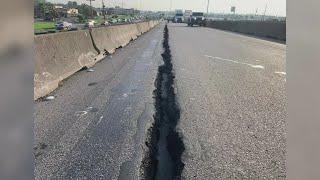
(232, 98)
(97, 124)
(177, 103)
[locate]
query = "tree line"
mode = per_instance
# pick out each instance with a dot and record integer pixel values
(47, 10)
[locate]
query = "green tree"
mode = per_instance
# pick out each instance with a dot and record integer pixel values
(81, 18)
(47, 10)
(72, 4)
(85, 10)
(75, 4)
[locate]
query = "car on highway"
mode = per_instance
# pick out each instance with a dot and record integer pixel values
(63, 25)
(197, 18)
(105, 23)
(113, 21)
(89, 24)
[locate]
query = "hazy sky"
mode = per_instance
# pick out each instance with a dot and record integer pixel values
(274, 7)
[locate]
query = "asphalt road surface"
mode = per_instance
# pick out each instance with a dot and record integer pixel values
(231, 91)
(96, 126)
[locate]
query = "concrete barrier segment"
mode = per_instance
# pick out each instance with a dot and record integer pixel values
(59, 55)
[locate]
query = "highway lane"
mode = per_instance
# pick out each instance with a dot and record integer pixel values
(230, 89)
(231, 92)
(96, 126)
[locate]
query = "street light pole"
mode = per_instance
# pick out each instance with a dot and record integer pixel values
(91, 9)
(265, 10)
(103, 11)
(208, 7)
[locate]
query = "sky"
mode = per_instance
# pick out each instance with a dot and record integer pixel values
(274, 7)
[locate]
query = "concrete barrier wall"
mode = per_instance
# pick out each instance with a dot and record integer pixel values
(143, 27)
(60, 55)
(269, 29)
(108, 39)
(57, 56)
(105, 40)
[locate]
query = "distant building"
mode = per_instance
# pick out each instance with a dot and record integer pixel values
(58, 7)
(73, 12)
(100, 11)
(61, 11)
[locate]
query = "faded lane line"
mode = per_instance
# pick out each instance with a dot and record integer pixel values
(281, 73)
(237, 62)
(100, 119)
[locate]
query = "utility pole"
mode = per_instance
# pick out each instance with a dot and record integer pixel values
(208, 7)
(265, 10)
(91, 8)
(104, 11)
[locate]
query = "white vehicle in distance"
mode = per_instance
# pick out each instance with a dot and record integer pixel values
(178, 18)
(89, 24)
(105, 23)
(187, 14)
(63, 25)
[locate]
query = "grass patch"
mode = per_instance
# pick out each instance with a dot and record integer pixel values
(43, 25)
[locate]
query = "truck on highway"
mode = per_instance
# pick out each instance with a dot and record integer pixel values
(178, 17)
(187, 14)
(197, 18)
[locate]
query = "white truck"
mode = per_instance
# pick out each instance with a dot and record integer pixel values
(178, 17)
(187, 14)
(197, 18)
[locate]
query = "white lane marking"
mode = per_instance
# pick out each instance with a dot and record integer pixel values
(89, 108)
(90, 70)
(281, 73)
(257, 66)
(50, 98)
(237, 62)
(100, 119)
(81, 113)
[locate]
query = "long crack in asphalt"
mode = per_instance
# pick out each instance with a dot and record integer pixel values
(165, 145)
